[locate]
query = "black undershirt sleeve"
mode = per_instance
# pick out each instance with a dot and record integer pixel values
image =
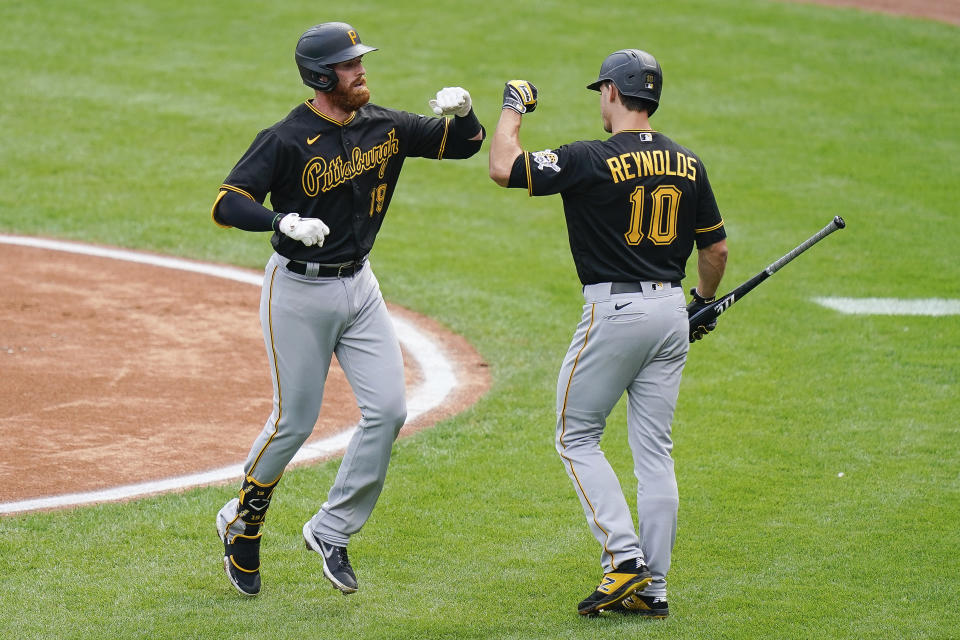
(235, 210)
(466, 126)
(459, 144)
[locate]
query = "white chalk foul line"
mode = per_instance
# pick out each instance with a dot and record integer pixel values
(439, 380)
(893, 306)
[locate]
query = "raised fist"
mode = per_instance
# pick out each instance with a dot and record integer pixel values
(520, 95)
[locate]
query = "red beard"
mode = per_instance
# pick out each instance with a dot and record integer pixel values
(350, 98)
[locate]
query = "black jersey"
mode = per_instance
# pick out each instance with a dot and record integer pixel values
(634, 203)
(341, 172)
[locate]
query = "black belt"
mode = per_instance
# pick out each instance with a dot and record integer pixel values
(634, 287)
(328, 270)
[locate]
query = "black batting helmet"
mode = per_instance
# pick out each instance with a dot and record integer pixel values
(635, 73)
(324, 45)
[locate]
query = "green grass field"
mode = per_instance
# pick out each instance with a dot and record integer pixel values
(120, 120)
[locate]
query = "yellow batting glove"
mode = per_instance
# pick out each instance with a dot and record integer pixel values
(520, 95)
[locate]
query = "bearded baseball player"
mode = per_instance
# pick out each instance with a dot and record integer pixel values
(330, 167)
(635, 205)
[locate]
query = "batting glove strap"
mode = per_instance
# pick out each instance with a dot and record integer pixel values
(520, 96)
(699, 298)
(288, 223)
(309, 231)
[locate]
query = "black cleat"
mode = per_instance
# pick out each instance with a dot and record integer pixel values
(336, 565)
(241, 559)
(614, 587)
(647, 606)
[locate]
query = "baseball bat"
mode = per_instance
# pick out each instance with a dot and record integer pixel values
(709, 313)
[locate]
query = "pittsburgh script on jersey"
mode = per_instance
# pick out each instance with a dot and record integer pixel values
(322, 175)
(628, 166)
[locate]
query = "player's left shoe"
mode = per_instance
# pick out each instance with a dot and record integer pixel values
(241, 554)
(336, 565)
(615, 586)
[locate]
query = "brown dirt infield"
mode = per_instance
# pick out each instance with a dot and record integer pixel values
(942, 10)
(115, 373)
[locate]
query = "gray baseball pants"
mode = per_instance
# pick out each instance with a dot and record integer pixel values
(305, 320)
(638, 343)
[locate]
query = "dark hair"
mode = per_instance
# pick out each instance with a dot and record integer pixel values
(637, 104)
(633, 103)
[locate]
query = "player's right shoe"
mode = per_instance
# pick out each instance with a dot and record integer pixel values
(615, 587)
(241, 554)
(336, 565)
(641, 605)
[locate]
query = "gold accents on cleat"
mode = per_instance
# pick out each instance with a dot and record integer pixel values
(614, 581)
(613, 589)
(239, 568)
(232, 540)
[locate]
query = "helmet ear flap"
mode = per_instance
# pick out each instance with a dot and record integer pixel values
(323, 79)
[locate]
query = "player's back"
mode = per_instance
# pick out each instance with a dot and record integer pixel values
(638, 201)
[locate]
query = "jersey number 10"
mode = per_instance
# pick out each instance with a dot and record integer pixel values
(663, 222)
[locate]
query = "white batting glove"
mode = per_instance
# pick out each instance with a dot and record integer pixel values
(309, 231)
(452, 100)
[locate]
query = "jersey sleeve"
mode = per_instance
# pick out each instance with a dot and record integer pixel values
(548, 172)
(439, 138)
(254, 175)
(709, 223)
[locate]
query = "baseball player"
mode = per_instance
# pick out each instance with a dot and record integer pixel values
(330, 167)
(635, 205)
